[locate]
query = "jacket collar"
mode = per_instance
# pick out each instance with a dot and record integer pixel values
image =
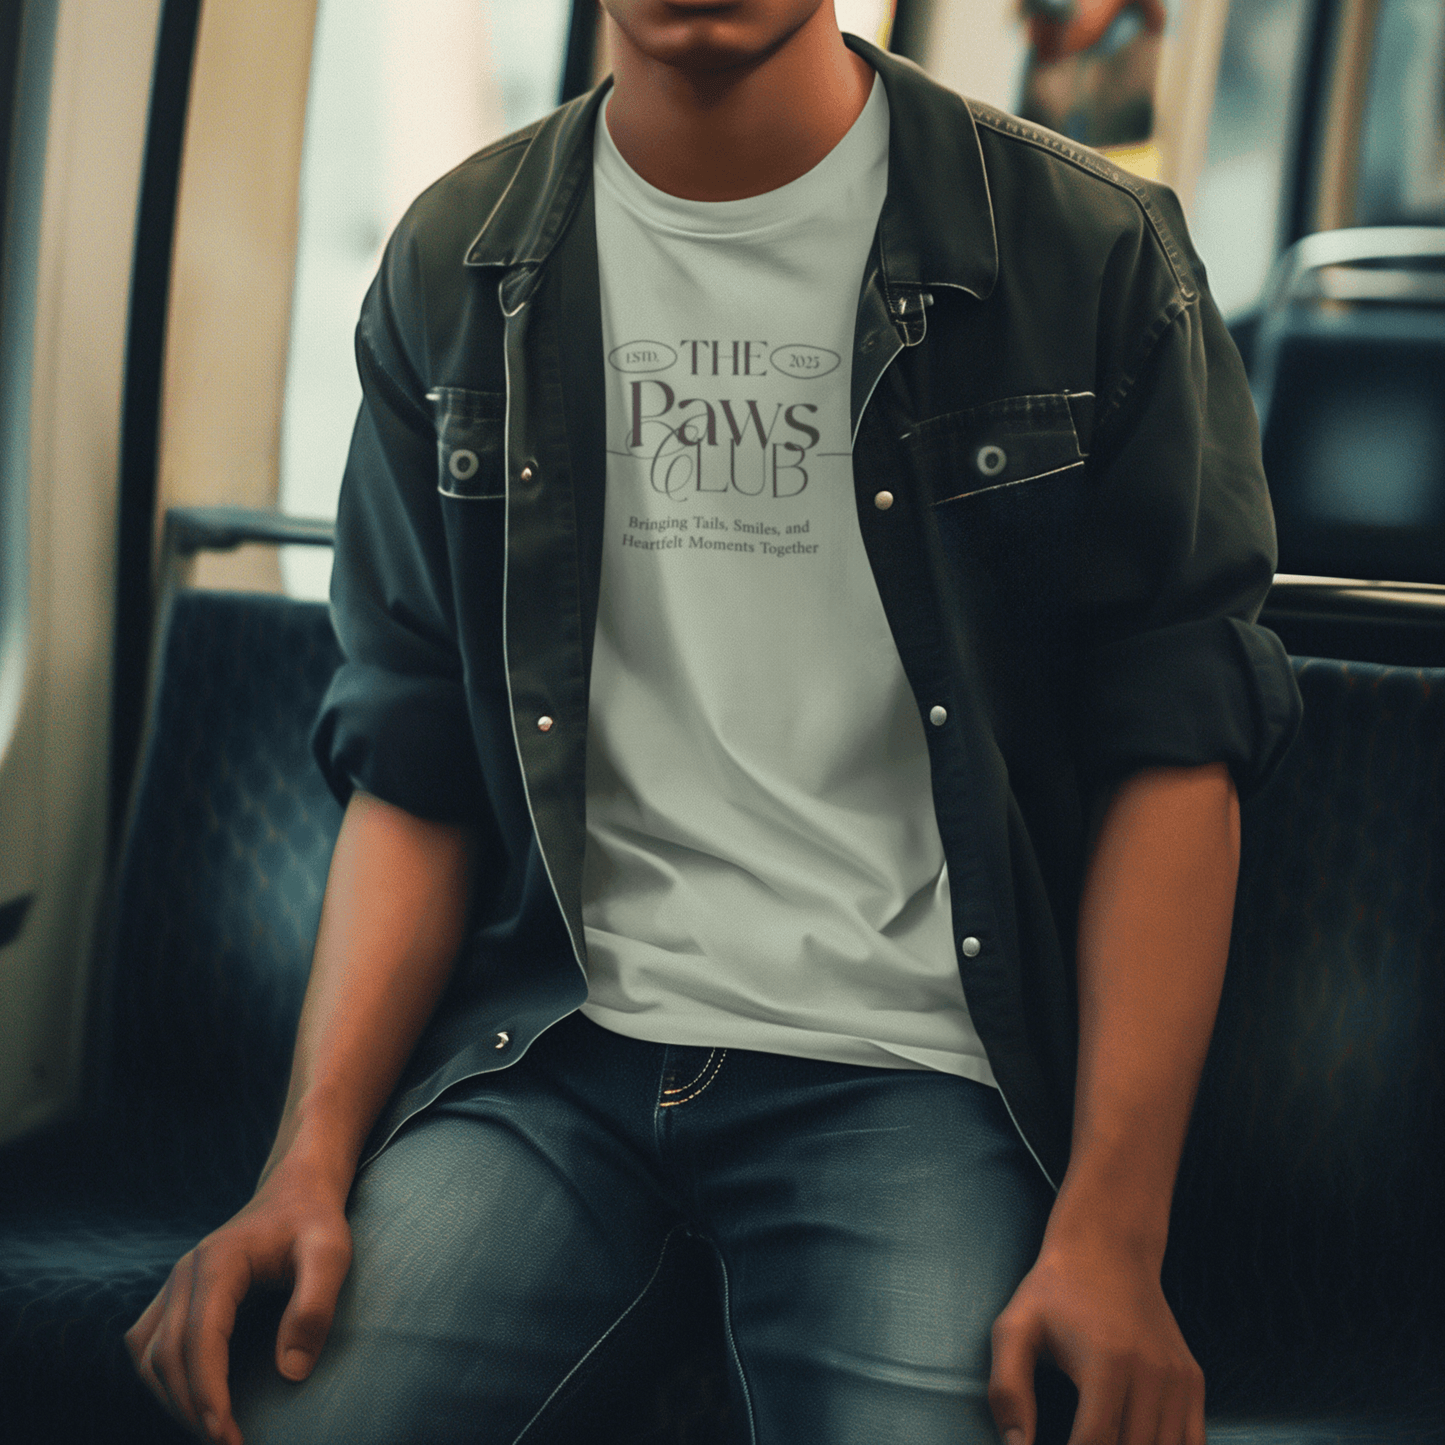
(534, 210)
(937, 223)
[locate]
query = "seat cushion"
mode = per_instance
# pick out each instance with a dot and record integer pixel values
(70, 1285)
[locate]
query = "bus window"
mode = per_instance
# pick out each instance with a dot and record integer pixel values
(76, 93)
(393, 104)
(1401, 179)
(1238, 205)
(19, 209)
(871, 19)
(1348, 359)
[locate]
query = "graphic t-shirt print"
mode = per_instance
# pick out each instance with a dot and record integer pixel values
(723, 438)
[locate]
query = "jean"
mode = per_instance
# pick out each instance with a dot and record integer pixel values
(865, 1227)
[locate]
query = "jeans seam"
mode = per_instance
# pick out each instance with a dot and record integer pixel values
(733, 1351)
(604, 1336)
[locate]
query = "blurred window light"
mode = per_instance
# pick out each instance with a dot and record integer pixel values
(979, 49)
(1401, 178)
(25, 91)
(870, 19)
(1238, 210)
(400, 93)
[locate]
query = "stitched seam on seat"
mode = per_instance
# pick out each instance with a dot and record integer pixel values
(999, 486)
(604, 1336)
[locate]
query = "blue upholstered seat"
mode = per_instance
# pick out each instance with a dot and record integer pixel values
(1307, 1263)
(218, 900)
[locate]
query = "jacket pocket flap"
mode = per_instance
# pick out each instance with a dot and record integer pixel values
(469, 427)
(1018, 439)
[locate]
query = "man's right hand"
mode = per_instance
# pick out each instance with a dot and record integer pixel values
(294, 1230)
(391, 925)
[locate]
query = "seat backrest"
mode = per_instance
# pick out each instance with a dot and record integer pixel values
(1349, 376)
(1304, 1251)
(1305, 1259)
(220, 889)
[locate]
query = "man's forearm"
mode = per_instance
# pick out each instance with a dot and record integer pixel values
(391, 925)
(1154, 927)
(1154, 923)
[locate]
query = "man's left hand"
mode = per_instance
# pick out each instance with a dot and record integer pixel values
(1098, 1309)
(1154, 924)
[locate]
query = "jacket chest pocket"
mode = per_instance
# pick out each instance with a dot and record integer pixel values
(1009, 443)
(470, 430)
(1006, 484)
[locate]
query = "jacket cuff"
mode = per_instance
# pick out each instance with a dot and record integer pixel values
(1215, 690)
(405, 740)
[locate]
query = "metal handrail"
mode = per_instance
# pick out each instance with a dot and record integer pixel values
(1354, 246)
(189, 530)
(1342, 266)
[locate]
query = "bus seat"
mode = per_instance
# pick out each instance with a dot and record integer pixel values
(1349, 380)
(217, 906)
(1305, 1261)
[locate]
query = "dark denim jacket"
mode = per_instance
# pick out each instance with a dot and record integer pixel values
(1078, 544)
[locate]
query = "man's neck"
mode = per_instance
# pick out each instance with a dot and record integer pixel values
(723, 135)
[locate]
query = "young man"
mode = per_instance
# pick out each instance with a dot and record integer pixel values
(797, 568)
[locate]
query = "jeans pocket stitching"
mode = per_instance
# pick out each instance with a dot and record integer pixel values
(683, 1088)
(710, 1069)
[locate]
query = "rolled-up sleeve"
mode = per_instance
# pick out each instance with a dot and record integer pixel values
(395, 721)
(1178, 553)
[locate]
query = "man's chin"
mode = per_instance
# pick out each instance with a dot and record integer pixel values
(699, 36)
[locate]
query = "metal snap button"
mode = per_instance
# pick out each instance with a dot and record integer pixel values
(526, 474)
(916, 302)
(991, 460)
(544, 724)
(883, 500)
(970, 946)
(938, 716)
(503, 1039)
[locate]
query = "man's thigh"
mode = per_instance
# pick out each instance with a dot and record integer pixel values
(870, 1231)
(504, 1244)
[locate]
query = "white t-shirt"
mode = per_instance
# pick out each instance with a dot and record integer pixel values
(763, 866)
